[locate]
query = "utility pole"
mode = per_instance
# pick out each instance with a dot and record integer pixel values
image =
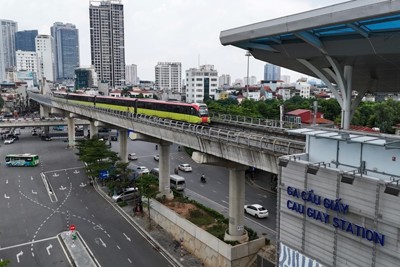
(248, 55)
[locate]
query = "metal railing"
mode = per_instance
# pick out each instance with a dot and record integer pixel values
(276, 145)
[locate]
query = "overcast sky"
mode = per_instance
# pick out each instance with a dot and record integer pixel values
(185, 31)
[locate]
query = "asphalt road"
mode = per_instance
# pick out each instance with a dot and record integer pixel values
(214, 193)
(32, 217)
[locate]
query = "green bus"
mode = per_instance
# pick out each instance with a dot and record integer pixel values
(22, 160)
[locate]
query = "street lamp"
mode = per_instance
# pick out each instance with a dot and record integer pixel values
(248, 55)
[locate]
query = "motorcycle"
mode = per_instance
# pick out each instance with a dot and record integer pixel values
(203, 179)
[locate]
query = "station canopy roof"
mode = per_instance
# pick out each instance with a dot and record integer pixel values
(363, 34)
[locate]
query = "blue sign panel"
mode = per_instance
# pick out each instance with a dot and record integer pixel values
(104, 174)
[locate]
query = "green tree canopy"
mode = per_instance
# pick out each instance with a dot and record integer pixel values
(98, 157)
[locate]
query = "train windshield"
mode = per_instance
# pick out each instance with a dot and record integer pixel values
(203, 111)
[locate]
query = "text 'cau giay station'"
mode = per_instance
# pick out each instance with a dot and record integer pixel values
(339, 201)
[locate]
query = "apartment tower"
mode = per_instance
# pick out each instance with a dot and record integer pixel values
(107, 41)
(8, 28)
(44, 50)
(66, 50)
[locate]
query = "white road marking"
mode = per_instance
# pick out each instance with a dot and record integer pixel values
(127, 237)
(56, 174)
(7, 181)
(5, 196)
(98, 240)
(62, 188)
(48, 248)
(129, 260)
(118, 247)
(31, 177)
(76, 171)
(19, 255)
(82, 185)
(33, 192)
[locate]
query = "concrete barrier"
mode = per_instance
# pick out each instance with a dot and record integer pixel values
(208, 248)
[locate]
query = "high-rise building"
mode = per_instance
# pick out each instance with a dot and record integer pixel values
(27, 60)
(131, 74)
(66, 50)
(272, 72)
(8, 28)
(168, 76)
(25, 40)
(44, 50)
(201, 84)
(224, 79)
(107, 40)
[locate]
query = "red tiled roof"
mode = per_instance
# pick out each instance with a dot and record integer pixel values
(298, 112)
(318, 121)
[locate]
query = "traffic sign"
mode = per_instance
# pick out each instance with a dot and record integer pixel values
(72, 227)
(104, 174)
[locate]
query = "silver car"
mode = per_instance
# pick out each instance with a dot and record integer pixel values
(126, 194)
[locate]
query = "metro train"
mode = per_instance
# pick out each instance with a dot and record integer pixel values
(196, 113)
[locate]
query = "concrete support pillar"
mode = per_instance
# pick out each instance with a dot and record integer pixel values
(236, 230)
(71, 132)
(93, 129)
(44, 111)
(348, 76)
(163, 164)
(123, 139)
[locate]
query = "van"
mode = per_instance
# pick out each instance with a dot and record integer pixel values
(177, 182)
(126, 194)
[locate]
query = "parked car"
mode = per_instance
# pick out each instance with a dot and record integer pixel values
(126, 194)
(185, 167)
(156, 157)
(132, 156)
(256, 210)
(8, 141)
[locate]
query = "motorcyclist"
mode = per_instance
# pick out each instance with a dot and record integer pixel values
(203, 178)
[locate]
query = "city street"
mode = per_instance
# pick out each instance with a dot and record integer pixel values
(33, 213)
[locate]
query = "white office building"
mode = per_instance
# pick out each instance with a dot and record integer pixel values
(8, 28)
(27, 60)
(44, 50)
(252, 80)
(131, 74)
(168, 76)
(201, 84)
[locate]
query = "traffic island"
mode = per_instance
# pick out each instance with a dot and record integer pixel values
(78, 252)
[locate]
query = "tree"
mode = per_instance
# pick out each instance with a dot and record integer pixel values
(4, 263)
(98, 157)
(148, 187)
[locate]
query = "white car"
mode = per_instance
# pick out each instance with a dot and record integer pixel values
(126, 194)
(9, 141)
(142, 170)
(256, 210)
(156, 157)
(132, 156)
(185, 167)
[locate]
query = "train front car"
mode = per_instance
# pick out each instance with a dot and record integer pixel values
(203, 113)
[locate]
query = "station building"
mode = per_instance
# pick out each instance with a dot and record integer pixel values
(339, 201)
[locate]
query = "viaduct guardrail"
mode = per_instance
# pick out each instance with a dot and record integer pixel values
(251, 148)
